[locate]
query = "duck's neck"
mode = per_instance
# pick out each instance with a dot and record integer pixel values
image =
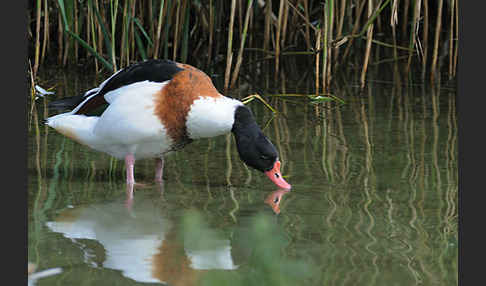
(245, 128)
(243, 121)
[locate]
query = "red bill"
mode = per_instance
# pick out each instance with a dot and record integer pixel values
(276, 177)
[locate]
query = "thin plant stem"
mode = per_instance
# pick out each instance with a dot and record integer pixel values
(268, 20)
(113, 10)
(425, 38)
(239, 59)
(406, 5)
(355, 28)
(176, 31)
(185, 35)
(211, 30)
(60, 37)
(124, 37)
(45, 39)
(340, 22)
(159, 30)
(93, 33)
(368, 46)
(328, 58)
(76, 29)
(277, 40)
(455, 40)
(284, 23)
(451, 37)
(318, 43)
(325, 32)
(414, 31)
(37, 37)
(435, 52)
(229, 52)
(166, 28)
(307, 24)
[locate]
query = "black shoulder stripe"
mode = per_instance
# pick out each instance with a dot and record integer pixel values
(66, 103)
(155, 70)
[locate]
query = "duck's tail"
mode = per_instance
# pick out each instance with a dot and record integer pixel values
(77, 127)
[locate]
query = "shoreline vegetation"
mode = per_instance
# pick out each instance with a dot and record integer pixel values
(111, 34)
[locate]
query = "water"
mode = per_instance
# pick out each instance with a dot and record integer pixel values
(373, 199)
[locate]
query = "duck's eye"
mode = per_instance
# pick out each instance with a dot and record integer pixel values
(277, 175)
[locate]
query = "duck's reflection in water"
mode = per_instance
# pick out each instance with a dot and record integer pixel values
(140, 241)
(275, 198)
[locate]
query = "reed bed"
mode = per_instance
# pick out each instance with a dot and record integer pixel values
(340, 34)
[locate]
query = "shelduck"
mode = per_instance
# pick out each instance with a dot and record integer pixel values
(154, 107)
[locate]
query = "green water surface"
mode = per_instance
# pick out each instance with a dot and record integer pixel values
(374, 198)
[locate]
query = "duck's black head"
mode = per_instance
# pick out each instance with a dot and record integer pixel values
(254, 147)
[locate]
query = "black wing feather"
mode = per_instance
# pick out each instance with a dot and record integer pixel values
(154, 70)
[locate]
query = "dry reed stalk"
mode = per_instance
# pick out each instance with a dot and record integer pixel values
(323, 47)
(359, 12)
(99, 31)
(435, 52)
(451, 37)
(307, 24)
(132, 31)
(123, 41)
(176, 31)
(340, 22)
(239, 59)
(91, 27)
(45, 39)
(211, 29)
(113, 12)
(406, 6)
(88, 26)
(102, 24)
(251, 27)
(76, 30)
(329, 40)
(284, 23)
(37, 37)
(66, 50)
(318, 54)
(293, 22)
(456, 46)
(414, 32)
(150, 20)
(268, 20)
(277, 40)
(185, 31)
(425, 38)
(159, 30)
(168, 13)
(229, 52)
(369, 36)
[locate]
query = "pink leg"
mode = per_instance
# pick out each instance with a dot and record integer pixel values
(129, 199)
(159, 168)
(129, 163)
